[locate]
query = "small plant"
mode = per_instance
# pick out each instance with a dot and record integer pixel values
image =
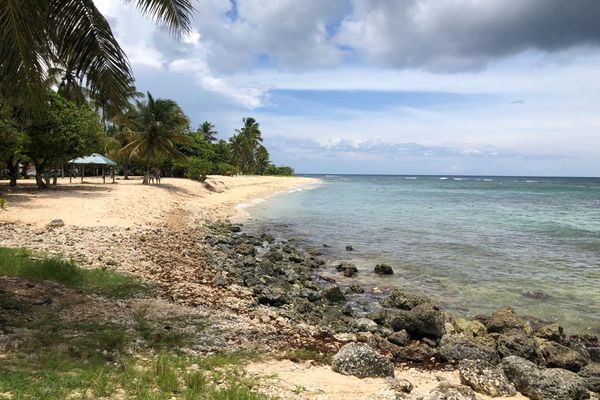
(299, 389)
(2, 203)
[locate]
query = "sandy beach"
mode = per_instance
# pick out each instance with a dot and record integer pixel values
(128, 203)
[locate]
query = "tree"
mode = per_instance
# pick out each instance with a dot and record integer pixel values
(207, 131)
(245, 143)
(36, 33)
(157, 127)
(12, 144)
(64, 131)
(262, 161)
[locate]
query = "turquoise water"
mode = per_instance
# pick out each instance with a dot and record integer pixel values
(474, 243)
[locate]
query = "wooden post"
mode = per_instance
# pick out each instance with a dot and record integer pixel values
(71, 173)
(103, 174)
(82, 172)
(112, 172)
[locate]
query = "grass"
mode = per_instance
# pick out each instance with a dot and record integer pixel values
(299, 355)
(2, 203)
(22, 263)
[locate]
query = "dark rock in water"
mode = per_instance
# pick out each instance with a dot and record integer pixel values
(327, 279)
(587, 343)
(400, 338)
(333, 293)
(379, 316)
(347, 310)
(422, 321)
(349, 248)
(543, 383)
(383, 269)
(447, 391)
(245, 249)
(275, 297)
(356, 288)
(485, 378)
(591, 376)
(295, 258)
(309, 294)
(347, 268)
(404, 301)
(454, 348)
(519, 344)
(552, 332)
(325, 245)
(536, 295)
(274, 255)
(559, 356)
(267, 237)
(417, 352)
(361, 361)
(506, 320)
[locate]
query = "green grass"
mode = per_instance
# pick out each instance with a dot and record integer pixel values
(21, 263)
(2, 203)
(299, 355)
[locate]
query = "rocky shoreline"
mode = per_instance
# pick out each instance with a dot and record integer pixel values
(287, 298)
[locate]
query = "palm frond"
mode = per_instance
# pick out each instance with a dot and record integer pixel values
(175, 14)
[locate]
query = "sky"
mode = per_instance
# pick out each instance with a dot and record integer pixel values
(463, 87)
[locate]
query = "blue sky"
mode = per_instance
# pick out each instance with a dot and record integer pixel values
(500, 87)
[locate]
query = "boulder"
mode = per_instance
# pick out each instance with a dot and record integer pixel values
(448, 391)
(362, 361)
(333, 293)
(55, 223)
(518, 344)
(416, 352)
(454, 348)
(543, 383)
(349, 248)
(470, 327)
(591, 375)
(506, 320)
(559, 356)
(423, 320)
(404, 301)
(383, 269)
(356, 288)
(485, 378)
(245, 249)
(552, 332)
(275, 297)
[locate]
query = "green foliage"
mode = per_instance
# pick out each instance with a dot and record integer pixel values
(281, 171)
(300, 355)
(21, 263)
(198, 168)
(224, 168)
(2, 203)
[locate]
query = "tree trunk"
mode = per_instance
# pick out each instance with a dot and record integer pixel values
(146, 175)
(126, 170)
(13, 170)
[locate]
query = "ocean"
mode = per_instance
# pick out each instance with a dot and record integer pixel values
(474, 243)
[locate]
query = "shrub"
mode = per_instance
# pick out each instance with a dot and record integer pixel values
(2, 203)
(224, 168)
(199, 168)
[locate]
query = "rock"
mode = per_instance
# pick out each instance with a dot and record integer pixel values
(219, 280)
(423, 320)
(399, 385)
(400, 338)
(485, 378)
(274, 255)
(543, 383)
(506, 320)
(275, 297)
(518, 344)
(55, 223)
(295, 258)
(591, 375)
(245, 249)
(348, 269)
(552, 332)
(454, 348)
(404, 301)
(383, 269)
(559, 356)
(235, 228)
(447, 391)
(333, 293)
(349, 248)
(417, 352)
(356, 288)
(364, 325)
(470, 328)
(361, 361)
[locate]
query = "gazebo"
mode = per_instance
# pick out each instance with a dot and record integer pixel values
(93, 159)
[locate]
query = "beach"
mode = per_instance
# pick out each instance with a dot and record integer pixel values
(258, 292)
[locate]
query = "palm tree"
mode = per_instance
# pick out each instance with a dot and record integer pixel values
(245, 143)
(34, 34)
(157, 126)
(261, 159)
(207, 131)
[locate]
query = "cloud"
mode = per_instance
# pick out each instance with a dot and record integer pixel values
(465, 34)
